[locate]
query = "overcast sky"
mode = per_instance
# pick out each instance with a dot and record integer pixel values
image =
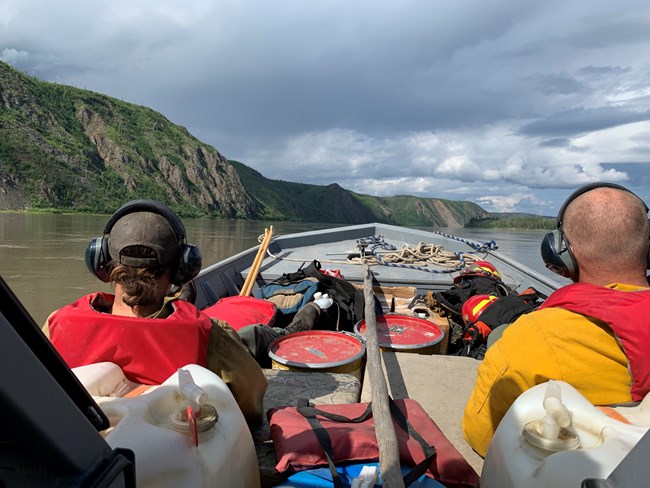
(511, 104)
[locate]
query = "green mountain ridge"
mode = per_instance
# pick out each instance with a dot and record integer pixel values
(73, 150)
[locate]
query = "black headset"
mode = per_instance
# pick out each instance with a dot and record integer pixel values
(556, 251)
(184, 268)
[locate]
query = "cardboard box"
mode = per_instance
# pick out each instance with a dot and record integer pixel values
(394, 298)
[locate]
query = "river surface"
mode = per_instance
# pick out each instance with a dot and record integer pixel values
(42, 255)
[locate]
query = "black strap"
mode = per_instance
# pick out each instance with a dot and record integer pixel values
(323, 437)
(326, 443)
(428, 450)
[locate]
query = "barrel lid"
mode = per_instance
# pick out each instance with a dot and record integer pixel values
(402, 332)
(317, 349)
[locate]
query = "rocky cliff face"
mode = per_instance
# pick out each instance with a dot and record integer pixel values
(11, 197)
(66, 148)
(191, 172)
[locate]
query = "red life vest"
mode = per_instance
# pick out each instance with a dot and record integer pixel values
(148, 350)
(627, 313)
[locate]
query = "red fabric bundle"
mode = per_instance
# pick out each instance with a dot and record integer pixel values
(297, 447)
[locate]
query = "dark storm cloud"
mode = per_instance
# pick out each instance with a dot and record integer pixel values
(558, 83)
(579, 121)
(601, 71)
(557, 142)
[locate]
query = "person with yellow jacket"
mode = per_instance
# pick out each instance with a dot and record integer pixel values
(146, 327)
(591, 333)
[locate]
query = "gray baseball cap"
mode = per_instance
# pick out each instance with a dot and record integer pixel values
(143, 229)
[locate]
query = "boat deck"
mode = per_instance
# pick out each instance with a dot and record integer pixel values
(332, 248)
(440, 384)
(336, 258)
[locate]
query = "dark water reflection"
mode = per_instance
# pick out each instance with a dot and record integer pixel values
(42, 255)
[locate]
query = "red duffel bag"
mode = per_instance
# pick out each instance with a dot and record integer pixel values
(240, 311)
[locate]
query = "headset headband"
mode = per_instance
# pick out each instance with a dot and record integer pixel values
(185, 266)
(145, 205)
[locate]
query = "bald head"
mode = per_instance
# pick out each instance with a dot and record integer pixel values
(607, 229)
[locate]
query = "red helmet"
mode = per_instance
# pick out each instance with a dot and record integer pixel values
(479, 268)
(475, 306)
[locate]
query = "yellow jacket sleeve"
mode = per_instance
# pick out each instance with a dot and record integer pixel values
(543, 345)
(500, 381)
(228, 358)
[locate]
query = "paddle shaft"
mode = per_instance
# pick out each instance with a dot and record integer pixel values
(391, 474)
(257, 263)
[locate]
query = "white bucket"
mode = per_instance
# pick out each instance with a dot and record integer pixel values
(165, 457)
(604, 441)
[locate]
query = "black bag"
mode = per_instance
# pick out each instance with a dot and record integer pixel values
(451, 301)
(349, 304)
(507, 309)
(465, 340)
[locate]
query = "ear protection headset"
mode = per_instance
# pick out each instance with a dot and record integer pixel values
(556, 251)
(184, 267)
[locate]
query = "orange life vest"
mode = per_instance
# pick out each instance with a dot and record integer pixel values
(148, 350)
(627, 313)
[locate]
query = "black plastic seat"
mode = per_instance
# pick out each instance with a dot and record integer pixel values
(49, 424)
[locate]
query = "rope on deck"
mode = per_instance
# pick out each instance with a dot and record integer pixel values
(422, 257)
(478, 247)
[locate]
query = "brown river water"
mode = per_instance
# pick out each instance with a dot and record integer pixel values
(42, 255)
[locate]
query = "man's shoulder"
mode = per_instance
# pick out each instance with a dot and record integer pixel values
(541, 324)
(540, 317)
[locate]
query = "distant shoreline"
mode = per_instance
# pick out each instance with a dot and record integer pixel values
(518, 223)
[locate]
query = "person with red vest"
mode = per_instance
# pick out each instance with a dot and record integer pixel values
(592, 333)
(146, 327)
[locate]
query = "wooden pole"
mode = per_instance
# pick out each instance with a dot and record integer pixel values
(257, 263)
(389, 463)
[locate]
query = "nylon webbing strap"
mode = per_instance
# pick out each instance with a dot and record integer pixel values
(323, 437)
(326, 443)
(429, 451)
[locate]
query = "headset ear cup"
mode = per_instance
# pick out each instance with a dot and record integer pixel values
(97, 258)
(557, 255)
(189, 265)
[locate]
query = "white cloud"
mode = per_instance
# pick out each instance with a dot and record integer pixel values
(13, 56)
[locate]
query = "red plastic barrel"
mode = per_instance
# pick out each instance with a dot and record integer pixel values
(405, 333)
(318, 350)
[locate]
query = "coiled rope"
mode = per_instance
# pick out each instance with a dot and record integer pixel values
(422, 256)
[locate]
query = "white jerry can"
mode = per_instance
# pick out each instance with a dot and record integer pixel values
(210, 446)
(552, 436)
